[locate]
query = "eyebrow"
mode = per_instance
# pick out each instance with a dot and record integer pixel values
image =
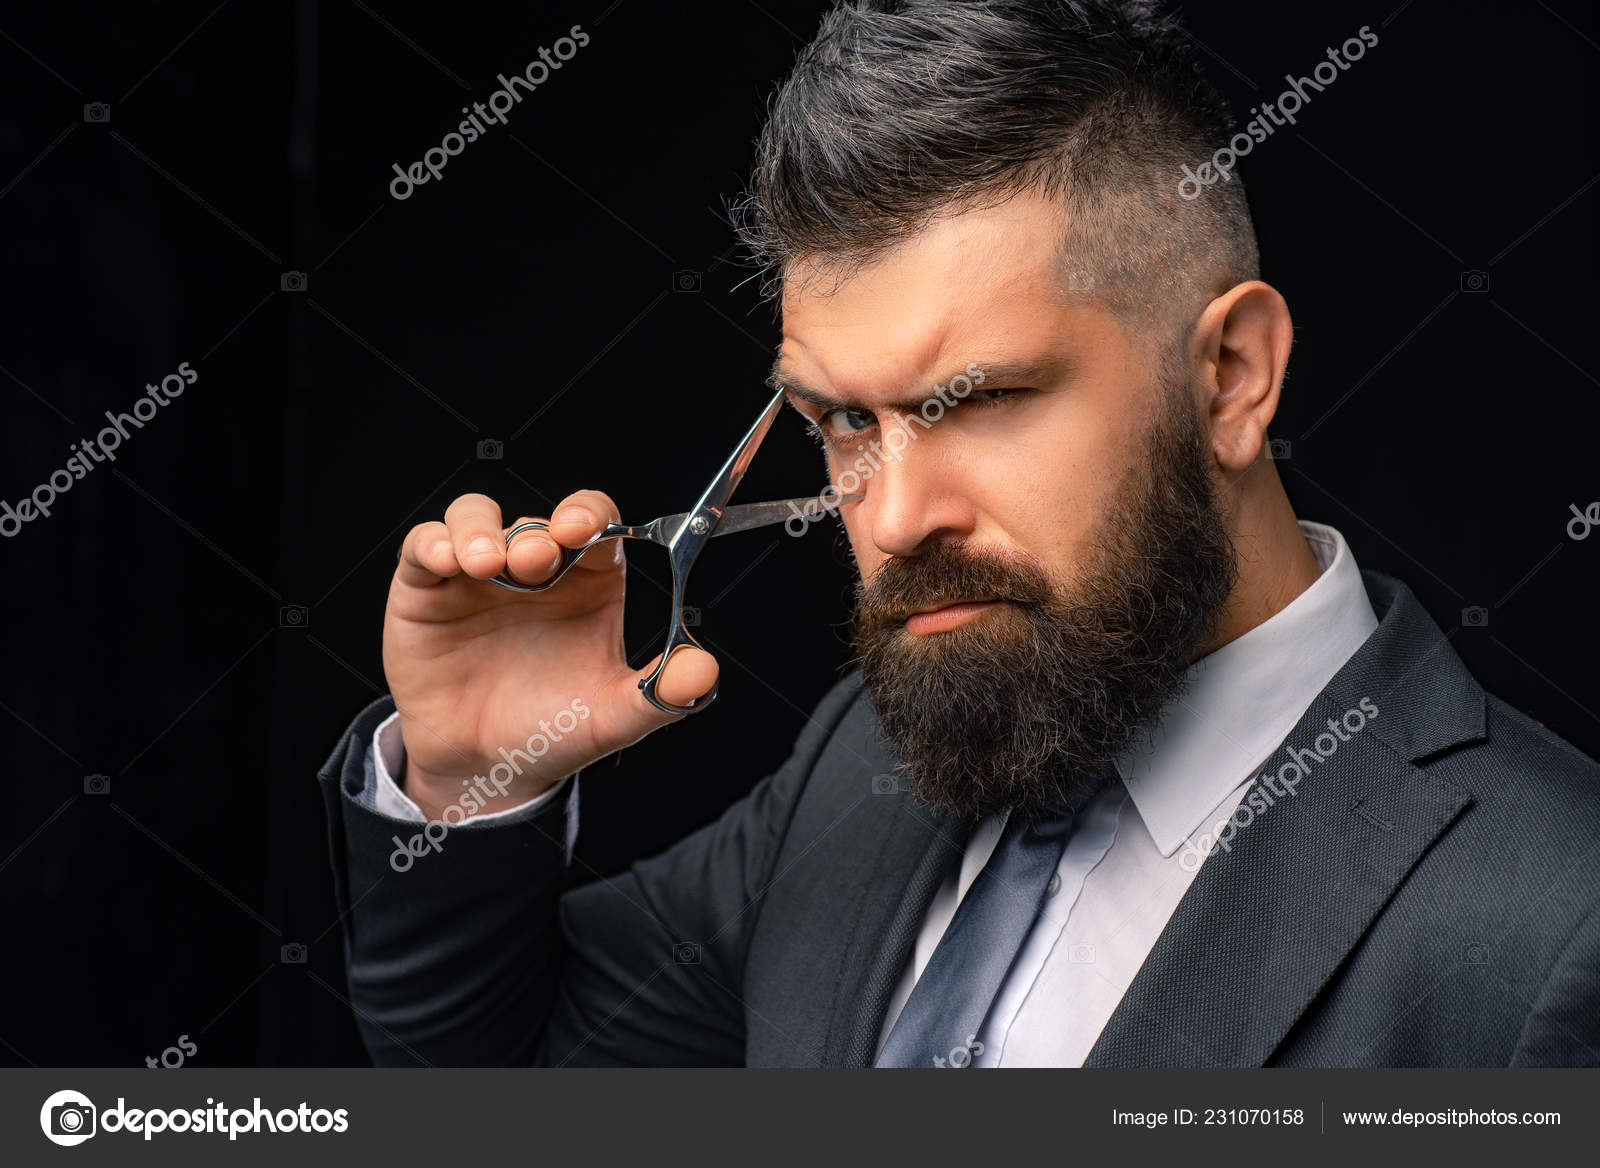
(996, 375)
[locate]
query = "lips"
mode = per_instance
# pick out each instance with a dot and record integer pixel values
(940, 606)
(946, 616)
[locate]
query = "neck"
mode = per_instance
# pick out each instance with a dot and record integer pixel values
(1275, 562)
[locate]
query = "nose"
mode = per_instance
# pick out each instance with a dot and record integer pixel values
(916, 495)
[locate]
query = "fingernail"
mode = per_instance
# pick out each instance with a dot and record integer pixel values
(481, 546)
(571, 515)
(440, 549)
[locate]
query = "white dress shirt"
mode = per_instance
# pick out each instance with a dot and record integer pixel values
(1136, 846)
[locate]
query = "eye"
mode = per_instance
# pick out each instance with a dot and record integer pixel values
(983, 397)
(844, 426)
(841, 425)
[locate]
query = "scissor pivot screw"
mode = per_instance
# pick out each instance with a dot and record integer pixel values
(699, 525)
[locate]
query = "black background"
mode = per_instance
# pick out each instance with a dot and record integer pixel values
(529, 298)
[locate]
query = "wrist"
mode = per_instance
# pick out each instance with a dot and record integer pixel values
(435, 793)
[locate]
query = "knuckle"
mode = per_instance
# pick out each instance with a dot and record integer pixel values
(468, 505)
(595, 503)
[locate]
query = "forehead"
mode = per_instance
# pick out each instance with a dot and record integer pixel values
(982, 285)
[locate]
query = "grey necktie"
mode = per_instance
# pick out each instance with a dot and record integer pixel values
(948, 1005)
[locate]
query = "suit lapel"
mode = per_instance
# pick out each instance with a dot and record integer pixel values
(1266, 923)
(922, 848)
(858, 870)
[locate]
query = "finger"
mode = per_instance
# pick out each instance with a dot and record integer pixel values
(476, 535)
(427, 555)
(579, 518)
(532, 556)
(690, 675)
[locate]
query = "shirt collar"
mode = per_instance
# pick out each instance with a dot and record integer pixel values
(1241, 701)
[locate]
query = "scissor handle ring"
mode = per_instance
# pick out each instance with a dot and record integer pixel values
(569, 556)
(648, 685)
(677, 635)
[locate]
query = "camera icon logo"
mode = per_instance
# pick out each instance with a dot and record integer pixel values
(1475, 616)
(97, 784)
(293, 616)
(1279, 449)
(885, 784)
(97, 113)
(491, 448)
(1476, 953)
(293, 953)
(67, 1118)
(1474, 280)
(293, 282)
(686, 280)
(686, 953)
(691, 616)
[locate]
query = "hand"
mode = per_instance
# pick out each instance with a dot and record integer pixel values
(479, 672)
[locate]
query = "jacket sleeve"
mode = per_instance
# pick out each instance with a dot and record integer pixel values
(1563, 1027)
(473, 955)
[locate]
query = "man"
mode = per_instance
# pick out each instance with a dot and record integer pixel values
(1136, 769)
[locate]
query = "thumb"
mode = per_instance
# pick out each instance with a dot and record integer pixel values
(690, 675)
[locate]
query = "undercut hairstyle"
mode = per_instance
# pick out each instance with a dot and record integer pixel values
(902, 110)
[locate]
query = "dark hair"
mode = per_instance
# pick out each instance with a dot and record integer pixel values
(900, 110)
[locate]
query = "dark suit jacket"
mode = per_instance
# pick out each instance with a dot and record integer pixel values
(1427, 897)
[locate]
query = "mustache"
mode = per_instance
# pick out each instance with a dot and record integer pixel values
(946, 574)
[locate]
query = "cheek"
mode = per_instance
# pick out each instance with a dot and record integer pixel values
(1048, 489)
(837, 464)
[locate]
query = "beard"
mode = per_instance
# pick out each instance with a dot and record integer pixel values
(1028, 704)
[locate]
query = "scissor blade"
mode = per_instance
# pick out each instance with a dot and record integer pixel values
(746, 516)
(715, 498)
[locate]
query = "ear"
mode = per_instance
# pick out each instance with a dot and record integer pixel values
(1242, 344)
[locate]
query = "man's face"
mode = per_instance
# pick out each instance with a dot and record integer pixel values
(1039, 565)
(1028, 461)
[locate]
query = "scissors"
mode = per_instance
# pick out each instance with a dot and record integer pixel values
(684, 535)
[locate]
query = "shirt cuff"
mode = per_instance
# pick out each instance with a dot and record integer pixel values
(386, 797)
